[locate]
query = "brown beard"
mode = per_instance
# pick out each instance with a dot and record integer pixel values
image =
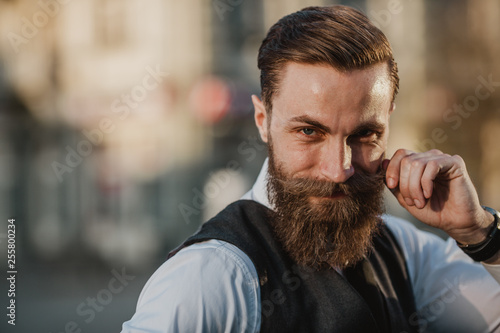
(331, 232)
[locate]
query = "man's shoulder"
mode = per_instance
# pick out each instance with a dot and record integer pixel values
(420, 248)
(213, 274)
(404, 228)
(397, 222)
(204, 264)
(213, 254)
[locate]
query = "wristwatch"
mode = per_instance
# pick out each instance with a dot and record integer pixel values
(490, 246)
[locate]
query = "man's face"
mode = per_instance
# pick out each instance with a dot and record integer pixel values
(326, 124)
(327, 136)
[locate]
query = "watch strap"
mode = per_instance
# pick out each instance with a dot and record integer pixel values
(490, 246)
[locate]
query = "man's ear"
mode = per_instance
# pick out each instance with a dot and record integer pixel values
(393, 107)
(260, 117)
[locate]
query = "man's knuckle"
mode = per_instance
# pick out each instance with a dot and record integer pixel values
(416, 163)
(458, 159)
(402, 151)
(433, 164)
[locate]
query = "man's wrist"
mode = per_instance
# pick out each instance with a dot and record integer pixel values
(479, 233)
(488, 249)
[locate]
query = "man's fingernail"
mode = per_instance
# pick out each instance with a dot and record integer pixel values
(409, 202)
(391, 182)
(417, 203)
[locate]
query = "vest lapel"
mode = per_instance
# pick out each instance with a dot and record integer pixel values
(362, 279)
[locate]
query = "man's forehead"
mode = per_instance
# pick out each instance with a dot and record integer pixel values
(319, 90)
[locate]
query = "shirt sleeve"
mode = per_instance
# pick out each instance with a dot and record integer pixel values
(452, 292)
(207, 287)
(494, 270)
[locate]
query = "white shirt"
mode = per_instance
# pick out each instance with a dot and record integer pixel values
(213, 286)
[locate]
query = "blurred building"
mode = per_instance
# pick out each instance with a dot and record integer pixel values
(106, 85)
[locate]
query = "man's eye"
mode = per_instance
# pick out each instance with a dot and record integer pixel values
(365, 133)
(308, 131)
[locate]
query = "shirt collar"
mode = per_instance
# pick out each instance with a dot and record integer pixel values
(258, 192)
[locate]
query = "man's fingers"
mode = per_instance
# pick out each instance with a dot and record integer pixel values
(432, 169)
(405, 173)
(399, 197)
(393, 168)
(415, 193)
(413, 175)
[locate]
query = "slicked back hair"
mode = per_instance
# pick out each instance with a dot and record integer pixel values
(339, 36)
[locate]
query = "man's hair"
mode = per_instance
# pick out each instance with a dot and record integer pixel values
(339, 36)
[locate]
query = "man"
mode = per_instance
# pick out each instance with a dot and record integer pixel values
(308, 249)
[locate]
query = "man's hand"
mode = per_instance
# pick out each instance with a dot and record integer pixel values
(436, 189)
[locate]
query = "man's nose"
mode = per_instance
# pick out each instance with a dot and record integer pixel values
(336, 162)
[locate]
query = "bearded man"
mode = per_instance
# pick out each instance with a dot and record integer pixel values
(309, 249)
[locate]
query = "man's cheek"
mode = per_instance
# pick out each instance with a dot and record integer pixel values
(370, 160)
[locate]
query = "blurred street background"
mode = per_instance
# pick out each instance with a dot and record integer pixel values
(124, 124)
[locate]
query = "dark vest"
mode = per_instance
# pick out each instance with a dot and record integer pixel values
(374, 296)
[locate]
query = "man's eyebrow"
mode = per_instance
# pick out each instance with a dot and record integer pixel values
(312, 122)
(368, 125)
(371, 125)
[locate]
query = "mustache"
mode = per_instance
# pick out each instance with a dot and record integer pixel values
(360, 182)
